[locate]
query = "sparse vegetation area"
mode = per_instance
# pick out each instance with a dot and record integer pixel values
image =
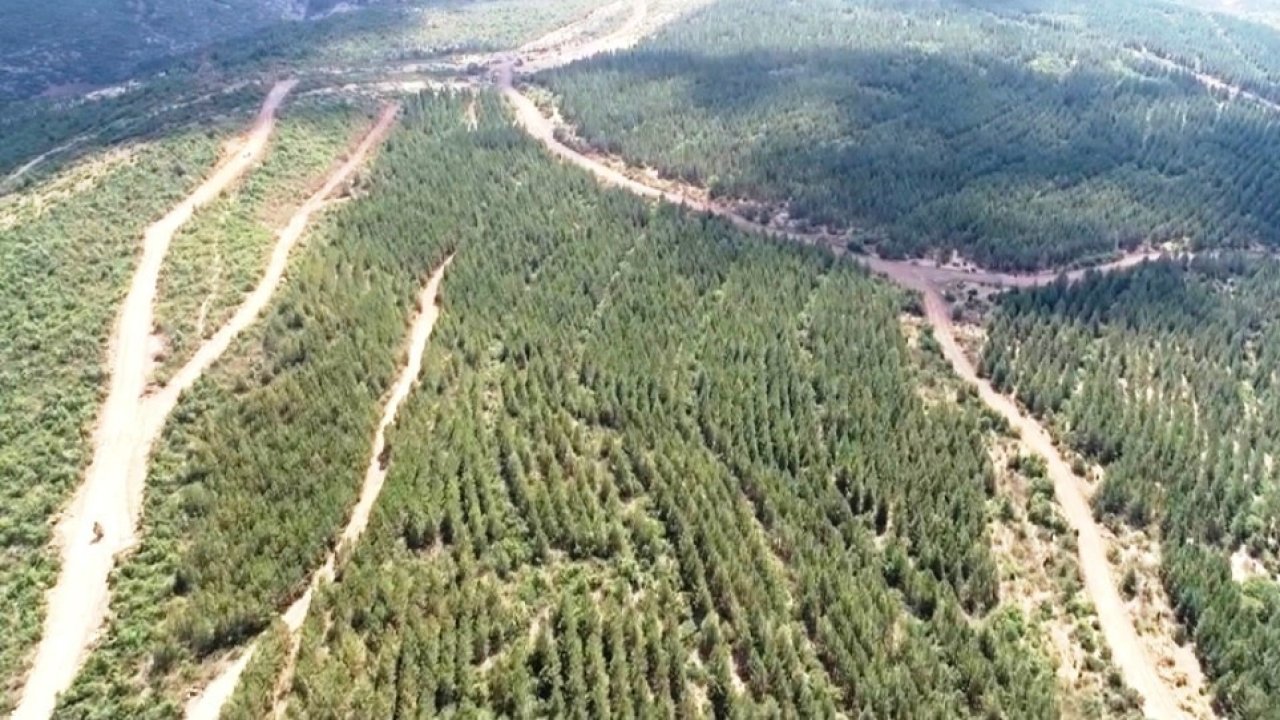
(217, 258)
(1165, 375)
(1040, 586)
(64, 265)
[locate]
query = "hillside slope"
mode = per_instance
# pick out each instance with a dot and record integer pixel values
(67, 47)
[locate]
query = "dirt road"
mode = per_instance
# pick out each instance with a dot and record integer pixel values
(208, 704)
(103, 507)
(1127, 649)
(29, 165)
(1212, 83)
(542, 128)
(163, 402)
(555, 48)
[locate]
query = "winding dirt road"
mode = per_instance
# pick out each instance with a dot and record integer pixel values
(1127, 650)
(909, 273)
(208, 704)
(31, 164)
(164, 401)
(104, 506)
(131, 420)
(1212, 83)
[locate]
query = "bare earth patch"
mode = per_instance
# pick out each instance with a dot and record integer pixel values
(1139, 554)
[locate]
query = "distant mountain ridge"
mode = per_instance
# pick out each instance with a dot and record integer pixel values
(67, 47)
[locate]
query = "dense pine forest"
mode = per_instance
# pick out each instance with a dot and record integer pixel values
(654, 468)
(1167, 377)
(1022, 134)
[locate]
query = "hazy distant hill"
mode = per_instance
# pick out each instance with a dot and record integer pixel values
(63, 47)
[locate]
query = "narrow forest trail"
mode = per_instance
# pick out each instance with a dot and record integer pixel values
(208, 704)
(1213, 83)
(100, 520)
(1127, 649)
(31, 164)
(557, 47)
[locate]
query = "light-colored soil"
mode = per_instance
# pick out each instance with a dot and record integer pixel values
(562, 36)
(546, 53)
(1152, 614)
(31, 164)
(82, 177)
(131, 419)
(101, 519)
(253, 305)
(208, 704)
(1032, 562)
(1129, 653)
(1245, 567)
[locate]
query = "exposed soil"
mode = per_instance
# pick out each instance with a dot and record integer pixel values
(33, 162)
(164, 400)
(111, 497)
(101, 519)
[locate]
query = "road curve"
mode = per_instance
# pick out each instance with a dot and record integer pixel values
(1127, 650)
(208, 704)
(542, 129)
(78, 601)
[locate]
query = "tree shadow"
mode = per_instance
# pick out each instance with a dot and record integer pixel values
(1014, 165)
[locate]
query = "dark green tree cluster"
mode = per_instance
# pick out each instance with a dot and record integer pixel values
(1239, 50)
(654, 468)
(1167, 375)
(82, 43)
(1020, 139)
